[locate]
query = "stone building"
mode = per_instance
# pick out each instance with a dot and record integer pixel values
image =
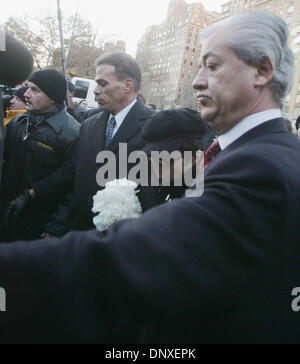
(168, 54)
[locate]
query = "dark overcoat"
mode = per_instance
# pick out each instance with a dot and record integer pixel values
(91, 142)
(221, 268)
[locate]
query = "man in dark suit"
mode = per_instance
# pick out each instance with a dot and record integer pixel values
(118, 77)
(220, 268)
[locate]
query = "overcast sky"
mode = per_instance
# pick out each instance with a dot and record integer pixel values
(128, 19)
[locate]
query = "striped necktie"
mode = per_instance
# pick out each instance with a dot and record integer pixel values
(110, 130)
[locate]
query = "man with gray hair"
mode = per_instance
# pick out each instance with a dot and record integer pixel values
(220, 268)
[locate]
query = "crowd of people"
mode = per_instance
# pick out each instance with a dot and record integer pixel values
(51, 151)
(219, 268)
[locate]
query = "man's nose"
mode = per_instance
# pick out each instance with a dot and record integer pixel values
(200, 82)
(97, 90)
(27, 93)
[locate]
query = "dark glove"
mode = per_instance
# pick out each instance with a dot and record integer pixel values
(16, 206)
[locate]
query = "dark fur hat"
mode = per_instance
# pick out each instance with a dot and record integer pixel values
(169, 129)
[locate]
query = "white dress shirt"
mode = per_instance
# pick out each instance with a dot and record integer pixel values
(120, 117)
(247, 124)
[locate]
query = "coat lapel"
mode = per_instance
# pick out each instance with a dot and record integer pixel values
(269, 127)
(129, 126)
(99, 132)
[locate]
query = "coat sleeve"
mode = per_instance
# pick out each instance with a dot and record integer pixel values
(179, 260)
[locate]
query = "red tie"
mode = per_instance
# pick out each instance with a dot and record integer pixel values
(211, 153)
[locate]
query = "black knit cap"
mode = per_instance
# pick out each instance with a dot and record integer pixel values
(20, 93)
(52, 83)
(167, 130)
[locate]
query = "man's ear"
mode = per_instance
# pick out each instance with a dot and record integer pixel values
(265, 72)
(129, 85)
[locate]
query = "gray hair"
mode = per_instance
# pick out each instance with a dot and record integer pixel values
(125, 67)
(258, 34)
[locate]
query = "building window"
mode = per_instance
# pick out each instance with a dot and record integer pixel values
(285, 109)
(288, 19)
(291, 9)
(297, 41)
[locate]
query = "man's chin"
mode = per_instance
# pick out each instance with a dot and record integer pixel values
(103, 107)
(208, 115)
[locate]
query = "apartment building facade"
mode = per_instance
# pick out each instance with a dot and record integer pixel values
(168, 55)
(289, 10)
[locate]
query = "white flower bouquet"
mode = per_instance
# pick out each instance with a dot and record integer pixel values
(117, 201)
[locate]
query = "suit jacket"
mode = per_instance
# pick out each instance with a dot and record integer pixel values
(213, 269)
(91, 142)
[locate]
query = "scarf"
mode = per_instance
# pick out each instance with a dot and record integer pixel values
(37, 119)
(34, 120)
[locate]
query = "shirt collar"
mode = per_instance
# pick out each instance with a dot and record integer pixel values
(56, 121)
(122, 114)
(246, 125)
